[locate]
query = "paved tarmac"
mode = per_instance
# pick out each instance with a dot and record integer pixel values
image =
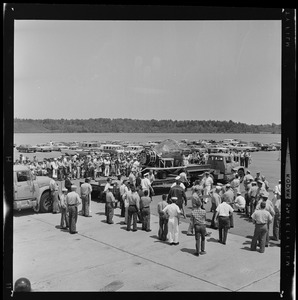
(103, 257)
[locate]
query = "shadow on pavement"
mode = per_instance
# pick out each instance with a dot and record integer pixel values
(212, 240)
(188, 250)
(246, 248)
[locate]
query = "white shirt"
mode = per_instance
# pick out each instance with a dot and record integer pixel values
(224, 209)
(172, 209)
(145, 183)
(240, 201)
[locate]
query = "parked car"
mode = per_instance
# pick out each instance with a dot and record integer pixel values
(26, 148)
(245, 147)
(44, 148)
(57, 146)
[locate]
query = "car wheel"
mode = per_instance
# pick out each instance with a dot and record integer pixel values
(45, 202)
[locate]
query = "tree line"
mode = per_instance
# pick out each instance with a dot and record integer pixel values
(104, 125)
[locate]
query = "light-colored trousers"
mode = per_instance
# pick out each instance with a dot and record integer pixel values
(173, 230)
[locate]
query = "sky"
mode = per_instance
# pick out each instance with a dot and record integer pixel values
(179, 70)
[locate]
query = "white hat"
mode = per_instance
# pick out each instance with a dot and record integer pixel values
(146, 174)
(177, 178)
(64, 190)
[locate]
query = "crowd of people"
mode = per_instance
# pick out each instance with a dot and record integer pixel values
(95, 165)
(133, 195)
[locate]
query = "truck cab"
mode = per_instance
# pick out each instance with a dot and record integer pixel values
(30, 191)
(223, 168)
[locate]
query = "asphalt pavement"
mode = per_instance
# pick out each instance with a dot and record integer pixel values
(104, 257)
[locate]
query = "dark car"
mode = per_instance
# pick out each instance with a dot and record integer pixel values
(26, 148)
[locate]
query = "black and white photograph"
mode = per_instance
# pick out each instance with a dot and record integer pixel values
(149, 149)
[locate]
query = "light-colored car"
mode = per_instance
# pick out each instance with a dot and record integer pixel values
(44, 148)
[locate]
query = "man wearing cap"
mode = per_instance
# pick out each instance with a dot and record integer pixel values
(173, 211)
(252, 197)
(146, 185)
(178, 192)
(86, 190)
(261, 218)
(72, 202)
(208, 183)
(269, 207)
(239, 202)
(109, 207)
(64, 222)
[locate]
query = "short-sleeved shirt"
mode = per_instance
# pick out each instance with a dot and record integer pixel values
(198, 216)
(145, 202)
(86, 188)
(261, 216)
(110, 197)
(72, 198)
(224, 209)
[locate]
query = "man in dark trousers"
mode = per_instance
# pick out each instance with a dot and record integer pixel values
(72, 202)
(110, 202)
(177, 191)
(67, 183)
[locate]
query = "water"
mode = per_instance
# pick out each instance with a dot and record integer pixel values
(39, 138)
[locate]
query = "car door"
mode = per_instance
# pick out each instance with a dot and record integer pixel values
(23, 185)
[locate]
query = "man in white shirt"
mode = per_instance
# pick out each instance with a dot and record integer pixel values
(223, 212)
(146, 185)
(240, 202)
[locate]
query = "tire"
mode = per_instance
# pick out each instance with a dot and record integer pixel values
(45, 203)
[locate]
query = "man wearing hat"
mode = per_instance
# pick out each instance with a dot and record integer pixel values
(110, 201)
(173, 211)
(239, 202)
(178, 192)
(72, 202)
(261, 218)
(64, 222)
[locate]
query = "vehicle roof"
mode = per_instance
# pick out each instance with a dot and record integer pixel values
(20, 168)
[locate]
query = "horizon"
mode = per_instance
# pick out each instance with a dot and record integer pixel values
(85, 119)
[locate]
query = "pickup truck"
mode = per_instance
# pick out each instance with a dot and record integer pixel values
(31, 191)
